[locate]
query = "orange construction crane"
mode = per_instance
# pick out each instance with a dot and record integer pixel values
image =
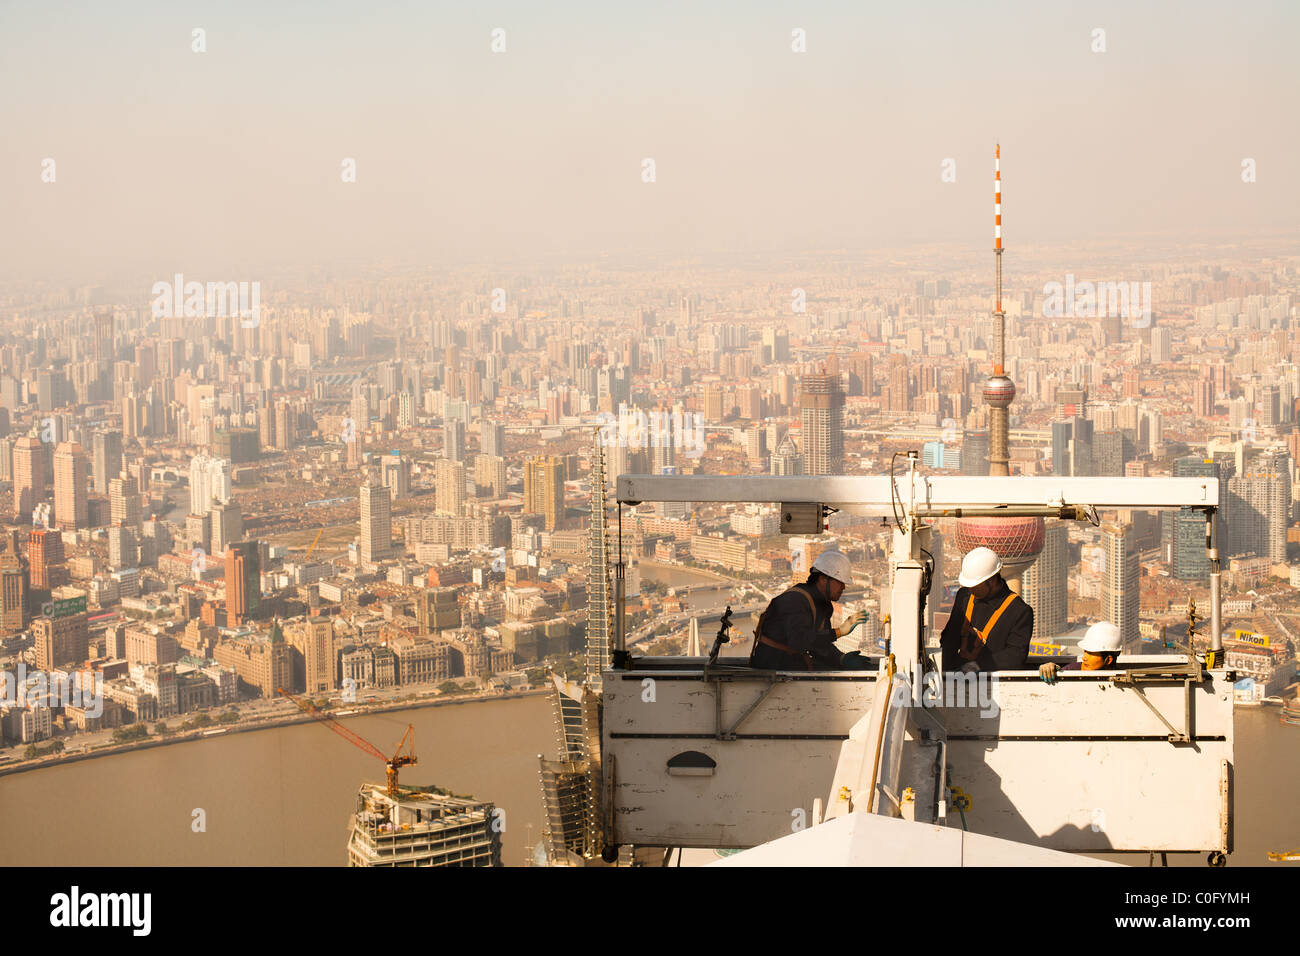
(392, 764)
(313, 544)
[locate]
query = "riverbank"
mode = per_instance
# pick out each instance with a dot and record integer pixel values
(264, 723)
(644, 563)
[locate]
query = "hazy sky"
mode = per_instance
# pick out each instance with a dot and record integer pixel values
(171, 160)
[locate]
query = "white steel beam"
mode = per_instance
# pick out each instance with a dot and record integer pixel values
(932, 491)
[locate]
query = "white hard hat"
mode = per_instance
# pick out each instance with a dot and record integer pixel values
(978, 566)
(835, 564)
(1102, 638)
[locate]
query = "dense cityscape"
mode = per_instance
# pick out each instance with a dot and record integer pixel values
(385, 486)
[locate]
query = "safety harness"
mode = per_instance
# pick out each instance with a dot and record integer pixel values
(805, 656)
(988, 626)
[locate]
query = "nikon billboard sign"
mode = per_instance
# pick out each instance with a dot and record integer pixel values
(64, 608)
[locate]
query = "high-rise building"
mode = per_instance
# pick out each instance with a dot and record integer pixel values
(490, 476)
(449, 487)
(1061, 432)
(70, 492)
(45, 559)
(1070, 401)
(60, 640)
(107, 463)
(1259, 505)
(1189, 560)
(975, 453)
(417, 828)
(1046, 584)
(1108, 453)
(13, 589)
(598, 585)
(786, 459)
(453, 440)
(821, 417)
(395, 472)
(103, 336)
(493, 439)
(312, 641)
(1081, 457)
(376, 523)
(243, 582)
(225, 525)
(30, 482)
(123, 503)
(1119, 585)
(210, 480)
(123, 550)
(1161, 346)
(544, 489)
(286, 425)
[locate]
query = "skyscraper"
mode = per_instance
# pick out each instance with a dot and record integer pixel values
(243, 582)
(1190, 562)
(210, 480)
(975, 453)
(598, 596)
(786, 460)
(124, 503)
(1119, 585)
(70, 494)
(45, 559)
(821, 416)
(286, 425)
(1061, 448)
(492, 440)
(544, 489)
(449, 487)
(30, 482)
(453, 440)
(1046, 584)
(376, 523)
(225, 525)
(107, 463)
(395, 472)
(490, 476)
(1259, 505)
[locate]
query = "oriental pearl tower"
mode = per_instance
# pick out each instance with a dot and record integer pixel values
(1017, 541)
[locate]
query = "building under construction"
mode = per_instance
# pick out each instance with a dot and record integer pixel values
(418, 827)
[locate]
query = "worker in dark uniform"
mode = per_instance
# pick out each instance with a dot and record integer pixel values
(795, 631)
(990, 625)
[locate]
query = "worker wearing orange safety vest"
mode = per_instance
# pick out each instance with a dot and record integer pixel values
(990, 625)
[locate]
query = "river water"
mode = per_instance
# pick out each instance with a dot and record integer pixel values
(271, 797)
(283, 796)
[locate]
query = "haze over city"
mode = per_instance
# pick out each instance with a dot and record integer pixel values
(171, 160)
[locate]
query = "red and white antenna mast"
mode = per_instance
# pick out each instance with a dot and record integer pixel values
(999, 357)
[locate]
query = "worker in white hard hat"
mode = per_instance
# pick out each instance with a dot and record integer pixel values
(1100, 646)
(795, 631)
(989, 626)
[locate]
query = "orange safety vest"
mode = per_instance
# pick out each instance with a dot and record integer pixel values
(988, 627)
